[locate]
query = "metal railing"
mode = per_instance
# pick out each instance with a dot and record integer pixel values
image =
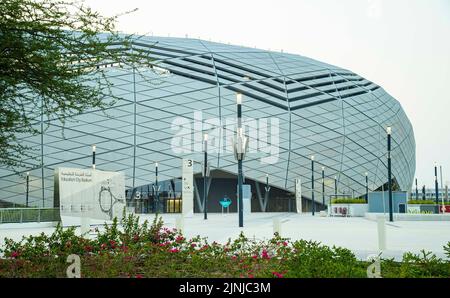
(23, 215)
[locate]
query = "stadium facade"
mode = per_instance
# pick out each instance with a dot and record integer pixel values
(294, 107)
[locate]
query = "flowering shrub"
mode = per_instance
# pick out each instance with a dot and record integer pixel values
(130, 249)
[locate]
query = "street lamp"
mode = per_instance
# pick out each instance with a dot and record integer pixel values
(335, 186)
(28, 188)
(417, 191)
(266, 194)
(156, 190)
(312, 186)
(205, 174)
(367, 187)
(93, 156)
(240, 145)
(323, 186)
(436, 185)
(389, 132)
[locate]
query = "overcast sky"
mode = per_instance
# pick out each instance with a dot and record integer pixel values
(402, 45)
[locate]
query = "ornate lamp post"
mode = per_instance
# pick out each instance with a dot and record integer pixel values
(389, 132)
(240, 147)
(205, 176)
(335, 186)
(28, 188)
(367, 187)
(156, 190)
(312, 186)
(323, 186)
(417, 191)
(93, 156)
(436, 185)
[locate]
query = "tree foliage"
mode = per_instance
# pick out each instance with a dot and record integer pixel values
(52, 58)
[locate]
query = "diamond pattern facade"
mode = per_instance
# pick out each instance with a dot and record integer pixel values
(322, 110)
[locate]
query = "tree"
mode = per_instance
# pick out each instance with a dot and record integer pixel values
(51, 58)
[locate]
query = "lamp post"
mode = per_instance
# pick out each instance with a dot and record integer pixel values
(240, 147)
(312, 186)
(156, 189)
(436, 185)
(389, 132)
(423, 193)
(28, 188)
(335, 186)
(93, 156)
(205, 174)
(323, 186)
(367, 187)
(417, 191)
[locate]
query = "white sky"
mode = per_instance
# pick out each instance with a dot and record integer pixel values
(402, 45)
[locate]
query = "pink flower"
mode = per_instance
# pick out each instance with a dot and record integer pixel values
(233, 257)
(193, 245)
(265, 255)
(139, 276)
(251, 276)
(174, 250)
(103, 246)
(255, 257)
(179, 238)
(277, 274)
(14, 254)
(285, 243)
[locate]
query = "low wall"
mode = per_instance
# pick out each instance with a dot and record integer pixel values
(354, 210)
(410, 217)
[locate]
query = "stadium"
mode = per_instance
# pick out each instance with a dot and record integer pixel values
(294, 107)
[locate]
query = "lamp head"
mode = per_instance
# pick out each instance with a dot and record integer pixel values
(205, 137)
(28, 173)
(389, 130)
(93, 148)
(312, 157)
(323, 168)
(156, 164)
(239, 98)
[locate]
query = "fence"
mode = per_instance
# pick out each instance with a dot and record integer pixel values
(23, 215)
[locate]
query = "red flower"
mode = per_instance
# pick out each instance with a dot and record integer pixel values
(15, 254)
(255, 257)
(179, 238)
(88, 248)
(251, 276)
(139, 276)
(277, 274)
(233, 257)
(193, 245)
(174, 250)
(285, 243)
(112, 243)
(265, 255)
(103, 246)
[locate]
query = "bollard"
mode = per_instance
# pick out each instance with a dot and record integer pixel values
(85, 225)
(381, 226)
(179, 224)
(277, 226)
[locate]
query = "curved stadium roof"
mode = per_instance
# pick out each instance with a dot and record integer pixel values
(323, 110)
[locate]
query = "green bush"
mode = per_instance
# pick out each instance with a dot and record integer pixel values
(348, 201)
(130, 249)
(427, 202)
